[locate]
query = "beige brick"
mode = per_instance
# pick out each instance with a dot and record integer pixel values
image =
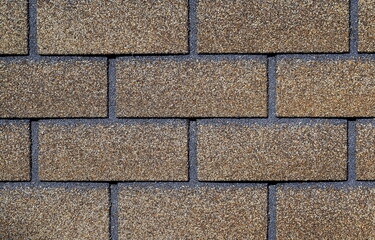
(112, 27)
(53, 89)
(54, 213)
(13, 27)
(192, 213)
(366, 26)
(365, 151)
(234, 151)
(325, 213)
(113, 152)
(325, 88)
(192, 88)
(14, 152)
(227, 26)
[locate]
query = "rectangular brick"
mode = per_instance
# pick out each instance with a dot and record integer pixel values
(325, 213)
(192, 88)
(192, 213)
(14, 151)
(135, 150)
(366, 26)
(13, 27)
(227, 26)
(325, 88)
(54, 213)
(33, 89)
(239, 151)
(365, 151)
(112, 27)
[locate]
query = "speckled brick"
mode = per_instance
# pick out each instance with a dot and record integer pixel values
(54, 213)
(112, 27)
(192, 213)
(143, 151)
(13, 27)
(14, 152)
(365, 151)
(325, 213)
(235, 151)
(41, 89)
(366, 26)
(325, 88)
(192, 88)
(227, 26)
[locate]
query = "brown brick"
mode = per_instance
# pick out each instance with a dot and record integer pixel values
(54, 213)
(192, 213)
(326, 88)
(192, 88)
(14, 152)
(227, 26)
(235, 151)
(365, 151)
(53, 89)
(147, 150)
(366, 26)
(13, 27)
(112, 27)
(325, 213)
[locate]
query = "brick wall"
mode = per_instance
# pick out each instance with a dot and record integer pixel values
(187, 119)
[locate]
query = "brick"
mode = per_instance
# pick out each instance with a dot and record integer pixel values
(14, 152)
(226, 26)
(238, 151)
(325, 88)
(192, 213)
(192, 88)
(325, 213)
(365, 151)
(13, 27)
(112, 27)
(41, 89)
(366, 26)
(54, 213)
(143, 151)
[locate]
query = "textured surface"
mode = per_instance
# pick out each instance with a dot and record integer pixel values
(13, 27)
(238, 152)
(53, 89)
(365, 151)
(198, 213)
(226, 26)
(14, 151)
(325, 88)
(54, 213)
(109, 27)
(325, 213)
(366, 26)
(194, 88)
(113, 152)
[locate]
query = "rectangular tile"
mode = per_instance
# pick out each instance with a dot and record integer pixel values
(365, 151)
(366, 26)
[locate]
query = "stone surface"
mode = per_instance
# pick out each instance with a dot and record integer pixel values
(325, 213)
(54, 213)
(42, 89)
(234, 151)
(192, 88)
(143, 151)
(365, 151)
(14, 152)
(366, 26)
(192, 213)
(325, 88)
(227, 26)
(112, 27)
(13, 27)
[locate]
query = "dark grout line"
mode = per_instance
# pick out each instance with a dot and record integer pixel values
(271, 77)
(113, 211)
(111, 78)
(192, 152)
(34, 167)
(271, 211)
(351, 131)
(353, 23)
(192, 27)
(32, 18)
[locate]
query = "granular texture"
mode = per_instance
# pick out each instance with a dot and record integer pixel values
(230, 151)
(192, 213)
(365, 151)
(366, 26)
(193, 88)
